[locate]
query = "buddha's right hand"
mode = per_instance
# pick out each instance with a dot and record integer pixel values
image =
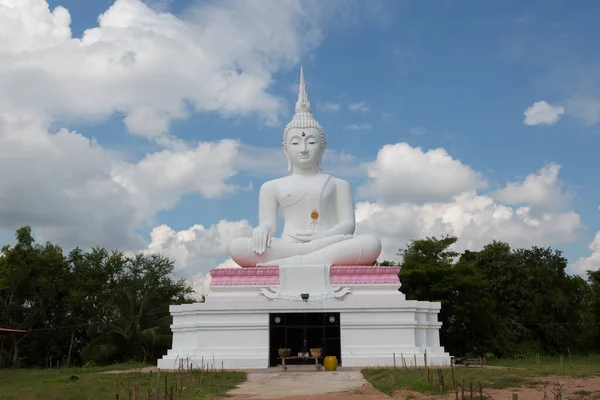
(261, 239)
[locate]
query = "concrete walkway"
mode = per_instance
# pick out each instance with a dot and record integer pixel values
(304, 384)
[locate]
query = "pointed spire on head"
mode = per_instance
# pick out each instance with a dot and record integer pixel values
(302, 105)
(303, 119)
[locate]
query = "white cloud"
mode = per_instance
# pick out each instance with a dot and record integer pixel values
(61, 184)
(159, 180)
(542, 190)
(197, 248)
(475, 219)
(147, 122)
(408, 173)
(542, 113)
(358, 127)
(77, 193)
(586, 109)
(201, 281)
(329, 107)
(590, 263)
(418, 194)
(361, 106)
(159, 5)
(152, 66)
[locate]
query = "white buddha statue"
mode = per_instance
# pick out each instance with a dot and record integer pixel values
(318, 209)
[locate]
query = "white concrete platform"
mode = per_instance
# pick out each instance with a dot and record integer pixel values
(236, 333)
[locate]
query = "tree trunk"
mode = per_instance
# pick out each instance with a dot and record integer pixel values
(70, 348)
(15, 343)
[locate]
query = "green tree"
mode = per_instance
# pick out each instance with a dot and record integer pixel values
(594, 282)
(430, 272)
(34, 283)
(537, 307)
(136, 319)
(97, 305)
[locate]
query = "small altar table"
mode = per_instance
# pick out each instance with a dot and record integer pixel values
(318, 366)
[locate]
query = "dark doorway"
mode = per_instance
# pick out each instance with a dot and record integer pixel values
(291, 330)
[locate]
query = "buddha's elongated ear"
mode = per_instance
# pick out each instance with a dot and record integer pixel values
(319, 166)
(290, 165)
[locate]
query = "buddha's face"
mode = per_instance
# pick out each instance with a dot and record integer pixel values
(304, 147)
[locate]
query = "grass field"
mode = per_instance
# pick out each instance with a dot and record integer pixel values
(498, 374)
(48, 384)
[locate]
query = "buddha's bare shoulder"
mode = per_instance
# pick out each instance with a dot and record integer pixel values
(340, 183)
(273, 185)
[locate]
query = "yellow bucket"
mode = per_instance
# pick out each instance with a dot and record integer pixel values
(330, 363)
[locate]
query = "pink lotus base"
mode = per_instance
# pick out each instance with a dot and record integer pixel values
(340, 275)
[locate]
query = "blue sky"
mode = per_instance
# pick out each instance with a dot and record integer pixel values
(446, 74)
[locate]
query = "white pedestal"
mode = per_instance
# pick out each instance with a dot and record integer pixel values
(234, 330)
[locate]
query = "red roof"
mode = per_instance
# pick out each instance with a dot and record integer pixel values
(12, 330)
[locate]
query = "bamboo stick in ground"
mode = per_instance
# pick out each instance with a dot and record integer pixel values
(158, 384)
(178, 384)
(442, 376)
(462, 388)
(480, 391)
(453, 378)
(166, 385)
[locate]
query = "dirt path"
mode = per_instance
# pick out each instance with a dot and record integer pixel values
(323, 385)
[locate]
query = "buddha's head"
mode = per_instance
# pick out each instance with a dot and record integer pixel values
(303, 138)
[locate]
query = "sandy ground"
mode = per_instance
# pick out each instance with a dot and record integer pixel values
(572, 388)
(292, 385)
